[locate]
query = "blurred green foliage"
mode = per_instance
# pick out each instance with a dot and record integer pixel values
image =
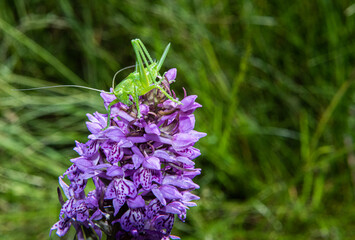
(275, 79)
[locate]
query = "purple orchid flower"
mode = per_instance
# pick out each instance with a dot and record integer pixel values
(143, 169)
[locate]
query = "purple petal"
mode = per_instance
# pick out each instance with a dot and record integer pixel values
(101, 118)
(170, 118)
(114, 133)
(94, 127)
(101, 166)
(164, 222)
(82, 213)
(114, 171)
(152, 163)
(113, 151)
(110, 192)
(125, 116)
(92, 148)
(187, 123)
(128, 166)
(126, 224)
(190, 204)
(133, 220)
(163, 155)
(143, 177)
(159, 196)
(156, 138)
(192, 172)
(107, 97)
(82, 163)
(91, 174)
(117, 204)
(71, 172)
(171, 74)
(97, 215)
(179, 181)
(68, 208)
(185, 160)
(80, 148)
(197, 134)
(136, 150)
(173, 237)
(123, 188)
(152, 129)
(144, 109)
(189, 104)
(156, 176)
(170, 192)
(97, 122)
(169, 104)
(175, 208)
(137, 139)
(78, 184)
(126, 187)
(187, 196)
(189, 152)
(153, 208)
(183, 140)
(125, 144)
(65, 187)
(170, 209)
(91, 199)
(137, 202)
(62, 227)
(137, 160)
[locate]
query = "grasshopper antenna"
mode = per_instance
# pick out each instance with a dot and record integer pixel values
(75, 86)
(114, 76)
(58, 86)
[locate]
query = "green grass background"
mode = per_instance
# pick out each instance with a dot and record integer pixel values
(275, 78)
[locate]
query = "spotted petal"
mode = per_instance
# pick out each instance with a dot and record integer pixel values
(118, 190)
(133, 219)
(164, 222)
(62, 227)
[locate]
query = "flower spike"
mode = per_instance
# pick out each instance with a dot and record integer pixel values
(142, 167)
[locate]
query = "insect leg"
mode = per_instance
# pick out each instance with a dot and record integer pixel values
(109, 112)
(160, 63)
(144, 50)
(142, 73)
(167, 94)
(144, 55)
(136, 100)
(162, 59)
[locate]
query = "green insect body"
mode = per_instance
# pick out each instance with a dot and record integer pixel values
(141, 81)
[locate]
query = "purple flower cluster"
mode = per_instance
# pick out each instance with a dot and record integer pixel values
(142, 169)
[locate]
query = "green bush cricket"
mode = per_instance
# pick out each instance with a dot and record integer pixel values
(142, 80)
